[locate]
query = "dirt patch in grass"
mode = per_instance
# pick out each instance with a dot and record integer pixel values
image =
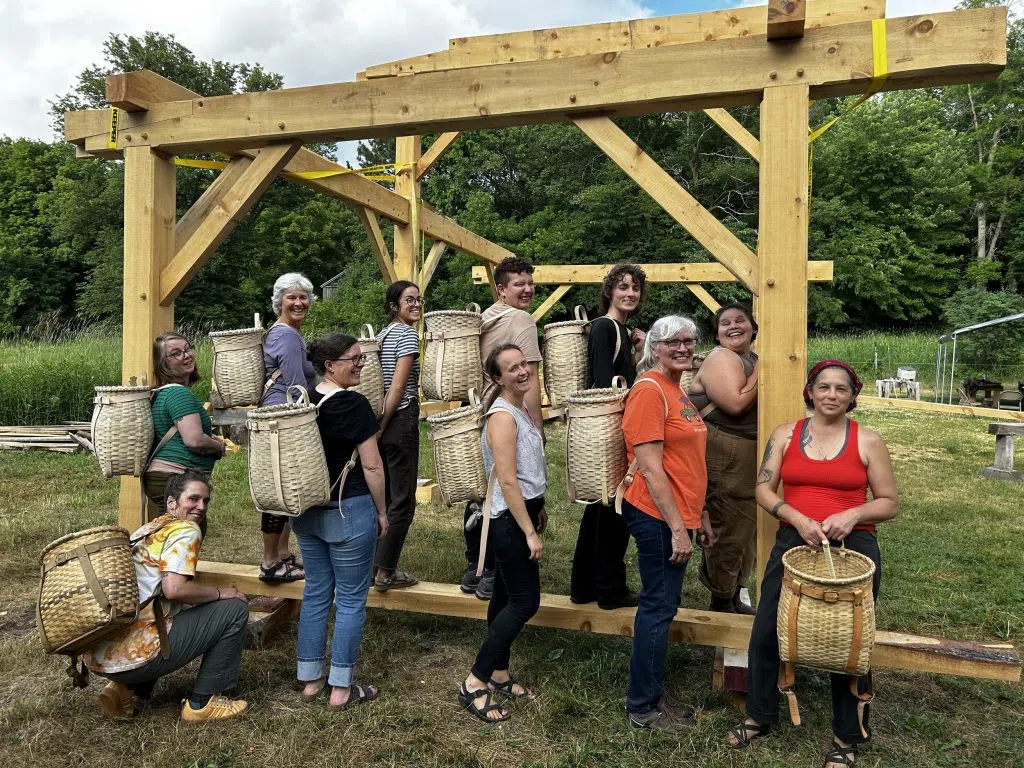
(17, 621)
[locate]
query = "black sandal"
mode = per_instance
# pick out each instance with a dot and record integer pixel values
(841, 755)
(745, 732)
(467, 697)
(269, 574)
(508, 689)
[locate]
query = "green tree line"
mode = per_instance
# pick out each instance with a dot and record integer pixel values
(916, 199)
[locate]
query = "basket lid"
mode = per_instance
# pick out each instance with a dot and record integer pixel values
(237, 332)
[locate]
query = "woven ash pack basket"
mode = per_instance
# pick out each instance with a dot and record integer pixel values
(238, 372)
(287, 467)
(87, 589)
(458, 457)
(595, 449)
(122, 429)
(371, 378)
(451, 357)
(566, 369)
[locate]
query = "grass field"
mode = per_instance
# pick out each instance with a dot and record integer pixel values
(953, 566)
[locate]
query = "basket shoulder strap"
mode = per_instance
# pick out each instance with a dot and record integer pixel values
(618, 336)
(349, 466)
(660, 391)
(485, 526)
(496, 318)
(634, 466)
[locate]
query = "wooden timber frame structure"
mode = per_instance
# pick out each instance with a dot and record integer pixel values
(779, 57)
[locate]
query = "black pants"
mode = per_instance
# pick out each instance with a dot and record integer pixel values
(763, 696)
(598, 565)
(400, 449)
(516, 590)
(473, 538)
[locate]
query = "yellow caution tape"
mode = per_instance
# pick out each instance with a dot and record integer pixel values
(308, 175)
(112, 133)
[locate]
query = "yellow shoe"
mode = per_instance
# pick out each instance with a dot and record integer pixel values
(117, 700)
(217, 708)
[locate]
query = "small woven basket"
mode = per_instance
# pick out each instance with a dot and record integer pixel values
(371, 378)
(458, 457)
(287, 467)
(595, 449)
(826, 617)
(122, 429)
(88, 589)
(451, 357)
(238, 372)
(565, 358)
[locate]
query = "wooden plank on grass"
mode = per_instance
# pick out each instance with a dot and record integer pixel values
(952, 410)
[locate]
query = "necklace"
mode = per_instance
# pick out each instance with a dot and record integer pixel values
(825, 454)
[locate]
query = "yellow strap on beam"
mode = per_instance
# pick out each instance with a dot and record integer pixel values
(310, 175)
(112, 133)
(210, 165)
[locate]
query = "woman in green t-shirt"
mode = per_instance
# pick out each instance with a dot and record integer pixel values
(193, 446)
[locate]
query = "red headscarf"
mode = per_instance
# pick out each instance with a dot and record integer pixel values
(819, 367)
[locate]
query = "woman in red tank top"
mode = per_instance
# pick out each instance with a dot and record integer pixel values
(826, 463)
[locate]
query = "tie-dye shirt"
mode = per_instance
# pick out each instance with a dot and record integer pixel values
(165, 545)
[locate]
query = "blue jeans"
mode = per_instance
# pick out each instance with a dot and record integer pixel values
(660, 595)
(337, 552)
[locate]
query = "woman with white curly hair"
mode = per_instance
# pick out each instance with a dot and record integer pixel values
(286, 363)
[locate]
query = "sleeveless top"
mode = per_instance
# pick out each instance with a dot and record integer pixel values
(822, 488)
(531, 471)
(743, 425)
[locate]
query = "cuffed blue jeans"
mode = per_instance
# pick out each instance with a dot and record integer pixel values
(661, 592)
(337, 555)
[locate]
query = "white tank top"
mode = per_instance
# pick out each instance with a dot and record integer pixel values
(531, 469)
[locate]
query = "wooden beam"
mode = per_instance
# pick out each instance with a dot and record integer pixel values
(782, 294)
(548, 304)
(377, 244)
(437, 150)
(925, 50)
(786, 19)
(407, 238)
(193, 218)
(735, 129)
(943, 408)
(687, 272)
(489, 277)
(223, 215)
(676, 201)
(438, 227)
(705, 298)
(430, 264)
(138, 91)
(149, 213)
(993, 661)
(590, 39)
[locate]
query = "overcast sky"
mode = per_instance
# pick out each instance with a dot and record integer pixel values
(45, 44)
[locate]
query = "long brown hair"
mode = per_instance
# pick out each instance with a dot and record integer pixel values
(161, 370)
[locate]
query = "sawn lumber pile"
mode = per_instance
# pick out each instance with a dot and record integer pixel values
(60, 438)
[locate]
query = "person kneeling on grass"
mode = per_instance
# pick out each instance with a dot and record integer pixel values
(200, 620)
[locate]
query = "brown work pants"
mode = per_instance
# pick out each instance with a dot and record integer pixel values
(732, 510)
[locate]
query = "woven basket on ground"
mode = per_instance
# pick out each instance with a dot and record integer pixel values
(238, 373)
(122, 429)
(458, 457)
(451, 358)
(595, 450)
(88, 589)
(371, 378)
(287, 468)
(826, 619)
(565, 358)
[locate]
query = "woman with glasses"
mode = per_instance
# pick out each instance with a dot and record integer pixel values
(193, 445)
(399, 345)
(337, 539)
(663, 504)
(286, 364)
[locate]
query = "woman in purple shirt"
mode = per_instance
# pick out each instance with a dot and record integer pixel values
(286, 364)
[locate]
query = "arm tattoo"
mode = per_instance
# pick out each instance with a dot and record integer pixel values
(774, 511)
(765, 475)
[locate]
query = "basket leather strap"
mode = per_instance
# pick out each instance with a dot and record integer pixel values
(794, 610)
(787, 678)
(863, 699)
(440, 434)
(73, 554)
(106, 466)
(858, 635)
(634, 466)
(84, 560)
(270, 384)
(340, 482)
(825, 595)
(160, 620)
(275, 463)
(485, 528)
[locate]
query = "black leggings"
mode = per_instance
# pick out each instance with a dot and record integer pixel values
(516, 590)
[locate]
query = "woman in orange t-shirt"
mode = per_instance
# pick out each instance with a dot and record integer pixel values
(666, 438)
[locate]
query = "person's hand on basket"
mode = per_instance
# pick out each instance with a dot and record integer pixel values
(682, 547)
(810, 531)
(838, 526)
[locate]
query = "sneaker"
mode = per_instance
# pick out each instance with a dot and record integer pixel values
(485, 588)
(117, 700)
(217, 708)
(660, 721)
(470, 580)
(627, 600)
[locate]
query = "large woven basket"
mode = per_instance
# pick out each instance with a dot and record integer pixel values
(687, 378)
(371, 379)
(238, 372)
(595, 449)
(565, 358)
(451, 358)
(88, 589)
(826, 617)
(122, 429)
(287, 468)
(458, 457)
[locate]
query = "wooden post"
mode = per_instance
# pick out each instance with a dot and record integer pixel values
(149, 215)
(409, 149)
(782, 289)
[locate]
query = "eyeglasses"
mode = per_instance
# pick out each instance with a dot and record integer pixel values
(676, 343)
(413, 302)
(355, 359)
(178, 354)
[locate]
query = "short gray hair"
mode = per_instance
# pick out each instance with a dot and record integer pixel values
(287, 282)
(662, 329)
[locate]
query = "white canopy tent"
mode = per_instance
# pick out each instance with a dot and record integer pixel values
(940, 356)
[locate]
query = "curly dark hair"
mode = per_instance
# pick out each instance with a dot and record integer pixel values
(614, 276)
(513, 265)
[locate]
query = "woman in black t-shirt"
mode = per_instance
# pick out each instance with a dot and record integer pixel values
(598, 567)
(338, 539)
